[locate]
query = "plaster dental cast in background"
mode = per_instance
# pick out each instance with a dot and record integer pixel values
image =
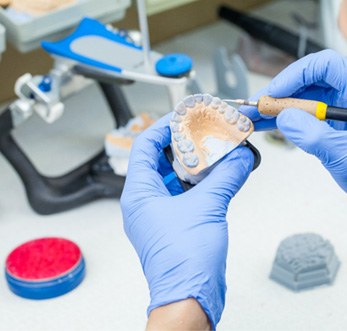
(182, 238)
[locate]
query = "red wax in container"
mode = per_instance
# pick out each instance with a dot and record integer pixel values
(45, 268)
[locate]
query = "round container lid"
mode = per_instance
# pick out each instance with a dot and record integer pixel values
(174, 65)
(45, 268)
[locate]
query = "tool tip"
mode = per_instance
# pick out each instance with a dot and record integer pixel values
(239, 101)
(242, 102)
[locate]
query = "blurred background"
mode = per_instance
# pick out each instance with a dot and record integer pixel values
(236, 48)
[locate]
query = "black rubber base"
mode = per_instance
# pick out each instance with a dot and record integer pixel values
(187, 186)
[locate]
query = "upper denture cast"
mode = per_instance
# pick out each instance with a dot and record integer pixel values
(204, 129)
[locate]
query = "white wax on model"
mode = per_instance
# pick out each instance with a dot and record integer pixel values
(216, 148)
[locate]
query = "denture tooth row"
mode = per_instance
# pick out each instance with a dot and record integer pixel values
(186, 147)
(230, 113)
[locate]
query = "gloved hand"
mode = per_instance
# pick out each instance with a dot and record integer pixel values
(320, 76)
(318, 138)
(181, 240)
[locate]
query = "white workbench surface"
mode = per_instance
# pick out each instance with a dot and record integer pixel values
(290, 193)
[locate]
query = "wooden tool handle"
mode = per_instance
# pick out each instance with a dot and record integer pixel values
(273, 106)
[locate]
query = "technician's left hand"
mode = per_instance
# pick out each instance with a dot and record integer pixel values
(181, 240)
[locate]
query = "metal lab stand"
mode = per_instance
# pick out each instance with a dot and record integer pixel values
(2, 40)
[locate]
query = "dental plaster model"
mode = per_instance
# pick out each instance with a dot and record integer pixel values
(118, 143)
(39, 7)
(204, 129)
(304, 261)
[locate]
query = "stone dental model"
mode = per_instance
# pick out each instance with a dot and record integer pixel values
(204, 129)
(118, 143)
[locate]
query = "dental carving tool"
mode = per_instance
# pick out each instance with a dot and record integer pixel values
(273, 106)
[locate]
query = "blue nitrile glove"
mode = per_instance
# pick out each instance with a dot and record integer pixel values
(321, 76)
(318, 138)
(181, 240)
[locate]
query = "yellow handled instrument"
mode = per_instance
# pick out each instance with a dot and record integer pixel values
(273, 106)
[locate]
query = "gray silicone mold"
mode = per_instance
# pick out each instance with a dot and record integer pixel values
(304, 261)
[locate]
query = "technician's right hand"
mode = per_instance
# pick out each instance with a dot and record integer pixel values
(321, 76)
(318, 138)
(181, 240)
